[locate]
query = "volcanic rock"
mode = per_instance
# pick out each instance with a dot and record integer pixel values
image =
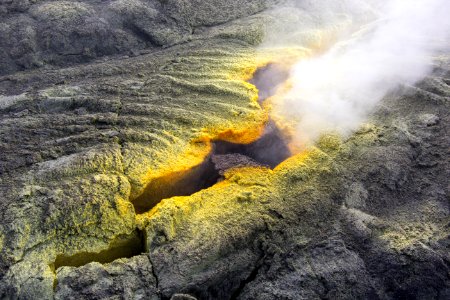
(100, 100)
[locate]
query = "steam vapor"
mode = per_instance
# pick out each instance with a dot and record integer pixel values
(337, 90)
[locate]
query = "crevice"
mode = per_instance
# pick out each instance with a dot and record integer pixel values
(143, 35)
(268, 79)
(55, 278)
(155, 275)
(251, 277)
(125, 246)
(181, 183)
(267, 151)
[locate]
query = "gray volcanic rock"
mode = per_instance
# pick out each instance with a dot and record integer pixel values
(131, 278)
(34, 33)
(224, 162)
(327, 270)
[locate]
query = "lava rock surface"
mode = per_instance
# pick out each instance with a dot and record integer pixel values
(100, 99)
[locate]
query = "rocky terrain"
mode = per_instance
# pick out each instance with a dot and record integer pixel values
(133, 162)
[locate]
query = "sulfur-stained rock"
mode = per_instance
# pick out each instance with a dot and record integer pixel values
(30, 279)
(83, 147)
(101, 142)
(130, 278)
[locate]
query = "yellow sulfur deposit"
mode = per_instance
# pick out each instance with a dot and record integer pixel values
(239, 129)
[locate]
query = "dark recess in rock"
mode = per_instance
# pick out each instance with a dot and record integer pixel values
(122, 247)
(267, 151)
(268, 79)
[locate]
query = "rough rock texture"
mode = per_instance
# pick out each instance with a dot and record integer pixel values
(37, 33)
(362, 218)
(130, 278)
(224, 162)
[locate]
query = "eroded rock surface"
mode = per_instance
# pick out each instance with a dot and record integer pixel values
(130, 278)
(37, 33)
(362, 218)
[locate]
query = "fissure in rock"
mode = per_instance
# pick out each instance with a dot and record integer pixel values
(122, 247)
(268, 151)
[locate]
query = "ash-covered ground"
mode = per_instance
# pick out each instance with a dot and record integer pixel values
(105, 105)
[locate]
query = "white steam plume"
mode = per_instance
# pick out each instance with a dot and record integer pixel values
(336, 91)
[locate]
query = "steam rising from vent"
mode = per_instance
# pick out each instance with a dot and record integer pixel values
(337, 90)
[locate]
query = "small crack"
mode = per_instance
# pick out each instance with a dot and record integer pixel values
(55, 279)
(155, 275)
(251, 277)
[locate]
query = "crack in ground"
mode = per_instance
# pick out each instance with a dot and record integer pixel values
(155, 275)
(125, 246)
(267, 151)
(251, 277)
